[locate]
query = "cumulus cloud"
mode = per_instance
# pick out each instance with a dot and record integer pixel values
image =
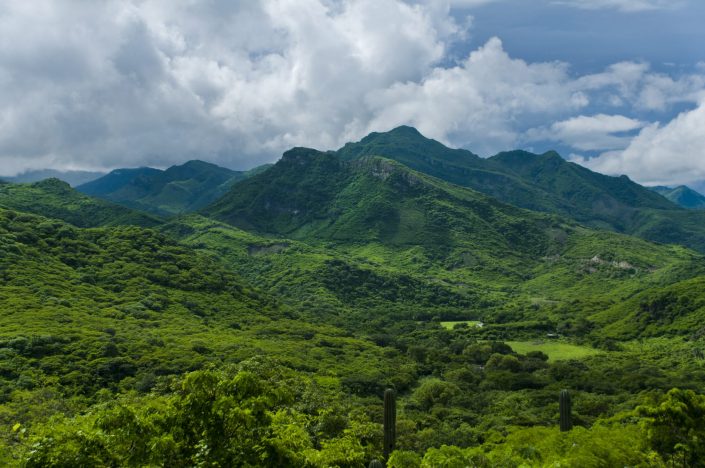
(668, 154)
(478, 102)
(96, 85)
(660, 91)
(587, 133)
(100, 84)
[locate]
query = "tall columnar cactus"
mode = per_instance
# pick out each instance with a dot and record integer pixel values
(564, 407)
(390, 422)
(376, 464)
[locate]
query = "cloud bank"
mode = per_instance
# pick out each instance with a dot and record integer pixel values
(98, 85)
(669, 154)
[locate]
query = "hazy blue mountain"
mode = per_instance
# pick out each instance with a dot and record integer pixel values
(683, 196)
(73, 178)
(178, 189)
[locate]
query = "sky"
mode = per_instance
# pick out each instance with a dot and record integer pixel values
(615, 85)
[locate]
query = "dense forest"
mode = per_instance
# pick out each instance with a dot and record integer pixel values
(519, 323)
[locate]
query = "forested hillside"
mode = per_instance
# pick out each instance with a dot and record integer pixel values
(56, 199)
(178, 189)
(543, 182)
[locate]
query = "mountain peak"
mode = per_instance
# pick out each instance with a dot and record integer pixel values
(406, 130)
(178, 189)
(197, 163)
(408, 146)
(299, 151)
(516, 158)
(53, 184)
(551, 154)
(683, 196)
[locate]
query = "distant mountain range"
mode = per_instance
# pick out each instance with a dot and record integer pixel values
(683, 196)
(539, 182)
(178, 189)
(542, 182)
(73, 178)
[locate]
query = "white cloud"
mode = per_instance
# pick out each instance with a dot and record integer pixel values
(478, 102)
(628, 6)
(660, 91)
(589, 133)
(668, 154)
(133, 82)
(155, 82)
(470, 3)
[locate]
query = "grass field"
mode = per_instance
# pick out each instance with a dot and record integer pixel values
(555, 350)
(470, 323)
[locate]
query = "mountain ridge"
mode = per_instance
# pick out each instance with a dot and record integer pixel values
(73, 178)
(54, 198)
(546, 183)
(177, 189)
(314, 194)
(682, 195)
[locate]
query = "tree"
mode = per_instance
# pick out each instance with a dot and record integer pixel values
(676, 427)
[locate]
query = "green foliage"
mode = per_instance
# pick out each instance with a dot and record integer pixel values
(602, 445)
(543, 182)
(682, 196)
(56, 199)
(403, 459)
(676, 427)
(178, 189)
(309, 194)
(253, 416)
(553, 350)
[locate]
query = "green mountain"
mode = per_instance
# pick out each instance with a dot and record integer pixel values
(682, 196)
(116, 180)
(177, 189)
(375, 224)
(311, 194)
(543, 182)
(73, 178)
(56, 199)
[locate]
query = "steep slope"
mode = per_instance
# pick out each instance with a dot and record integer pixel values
(327, 285)
(592, 197)
(72, 178)
(116, 180)
(371, 285)
(543, 183)
(375, 224)
(313, 195)
(177, 189)
(56, 199)
(682, 196)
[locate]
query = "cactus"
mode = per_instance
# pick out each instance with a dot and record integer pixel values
(376, 464)
(390, 422)
(564, 406)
